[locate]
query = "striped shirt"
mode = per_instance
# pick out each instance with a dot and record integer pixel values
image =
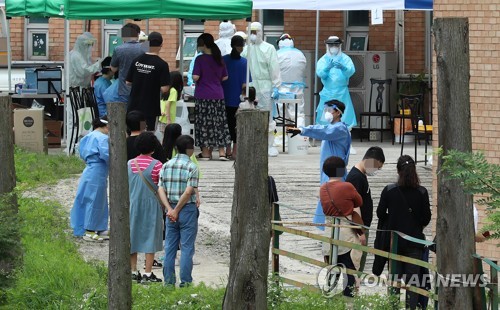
(143, 161)
(176, 175)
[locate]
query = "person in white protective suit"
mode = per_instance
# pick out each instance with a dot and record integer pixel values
(241, 34)
(81, 70)
(81, 66)
(226, 32)
(335, 68)
(266, 77)
(293, 74)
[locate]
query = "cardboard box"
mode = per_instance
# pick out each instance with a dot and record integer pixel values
(29, 129)
(53, 132)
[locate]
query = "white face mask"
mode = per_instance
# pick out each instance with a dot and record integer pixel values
(371, 171)
(242, 98)
(253, 38)
(328, 117)
(334, 50)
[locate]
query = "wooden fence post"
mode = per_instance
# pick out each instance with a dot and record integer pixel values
(250, 216)
(8, 198)
(455, 227)
(120, 278)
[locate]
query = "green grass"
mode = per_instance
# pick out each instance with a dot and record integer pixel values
(53, 275)
(34, 169)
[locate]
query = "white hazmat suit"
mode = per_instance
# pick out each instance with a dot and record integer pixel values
(81, 70)
(80, 61)
(293, 74)
(266, 77)
(226, 32)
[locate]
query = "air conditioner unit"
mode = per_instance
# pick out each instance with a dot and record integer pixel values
(378, 65)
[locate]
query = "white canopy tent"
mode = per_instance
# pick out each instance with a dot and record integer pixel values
(351, 5)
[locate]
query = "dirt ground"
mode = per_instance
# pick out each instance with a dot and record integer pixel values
(297, 183)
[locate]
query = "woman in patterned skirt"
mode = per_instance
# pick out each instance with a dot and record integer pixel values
(210, 125)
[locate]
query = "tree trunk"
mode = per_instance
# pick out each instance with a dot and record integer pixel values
(250, 216)
(8, 198)
(455, 228)
(119, 279)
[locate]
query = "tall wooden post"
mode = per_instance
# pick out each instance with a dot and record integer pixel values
(250, 216)
(119, 279)
(8, 198)
(455, 227)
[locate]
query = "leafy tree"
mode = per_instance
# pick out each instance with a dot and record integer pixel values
(478, 177)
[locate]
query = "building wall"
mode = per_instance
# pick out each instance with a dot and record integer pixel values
(300, 24)
(484, 44)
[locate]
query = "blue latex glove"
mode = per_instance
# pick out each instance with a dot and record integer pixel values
(275, 95)
(330, 64)
(338, 65)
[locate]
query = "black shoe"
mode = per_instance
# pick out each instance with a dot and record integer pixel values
(151, 279)
(156, 264)
(137, 277)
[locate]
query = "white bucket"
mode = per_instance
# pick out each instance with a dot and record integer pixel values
(408, 139)
(298, 145)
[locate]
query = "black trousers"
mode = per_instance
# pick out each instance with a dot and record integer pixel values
(409, 273)
(346, 260)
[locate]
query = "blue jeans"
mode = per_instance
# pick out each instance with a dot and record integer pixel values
(183, 231)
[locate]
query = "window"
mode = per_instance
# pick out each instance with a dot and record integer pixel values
(273, 22)
(192, 30)
(357, 19)
(190, 46)
(356, 30)
(36, 38)
(111, 36)
(273, 18)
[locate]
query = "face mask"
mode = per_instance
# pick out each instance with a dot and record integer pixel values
(328, 117)
(371, 171)
(242, 98)
(253, 38)
(334, 50)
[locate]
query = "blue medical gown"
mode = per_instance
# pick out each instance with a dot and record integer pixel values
(335, 86)
(100, 85)
(335, 141)
(90, 210)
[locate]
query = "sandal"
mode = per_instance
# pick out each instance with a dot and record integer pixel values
(201, 157)
(92, 236)
(223, 158)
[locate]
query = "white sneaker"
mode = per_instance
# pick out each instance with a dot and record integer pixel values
(272, 152)
(352, 151)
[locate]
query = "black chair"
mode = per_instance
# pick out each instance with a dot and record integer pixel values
(414, 103)
(76, 103)
(382, 87)
(281, 120)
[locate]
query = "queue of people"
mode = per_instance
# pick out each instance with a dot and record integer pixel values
(171, 168)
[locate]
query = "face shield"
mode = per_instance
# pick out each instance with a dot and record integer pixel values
(285, 41)
(328, 113)
(333, 45)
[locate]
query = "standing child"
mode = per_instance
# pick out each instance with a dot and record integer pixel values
(168, 107)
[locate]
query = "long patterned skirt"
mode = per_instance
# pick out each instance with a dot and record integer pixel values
(210, 123)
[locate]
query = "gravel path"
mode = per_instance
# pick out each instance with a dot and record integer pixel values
(297, 183)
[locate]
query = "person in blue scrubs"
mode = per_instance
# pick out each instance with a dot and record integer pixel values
(101, 84)
(335, 141)
(334, 69)
(89, 215)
